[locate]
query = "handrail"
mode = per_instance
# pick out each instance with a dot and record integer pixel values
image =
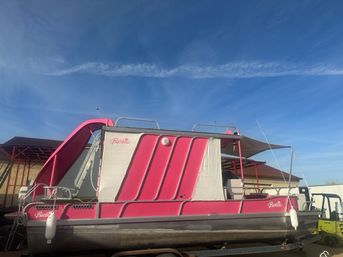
(46, 189)
(32, 189)
(137, 119)
(28, 193)
(54, 190)
(228, 127)
(263, 188)
(260, 189)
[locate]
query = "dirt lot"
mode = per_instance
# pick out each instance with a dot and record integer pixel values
(311, 250)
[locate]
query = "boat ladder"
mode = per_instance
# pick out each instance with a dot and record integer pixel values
(13, 233)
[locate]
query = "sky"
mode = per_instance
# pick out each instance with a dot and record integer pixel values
(272, 68)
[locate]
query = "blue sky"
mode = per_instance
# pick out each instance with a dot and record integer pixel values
(276, 63)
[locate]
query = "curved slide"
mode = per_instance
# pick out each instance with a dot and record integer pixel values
(65, 155)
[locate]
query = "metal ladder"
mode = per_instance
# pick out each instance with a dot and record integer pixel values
(18, 220)
(12, 234)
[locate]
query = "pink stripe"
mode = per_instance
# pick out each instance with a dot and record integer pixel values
(156, 170)
(139, 164)
(173, 173)
(191, 172)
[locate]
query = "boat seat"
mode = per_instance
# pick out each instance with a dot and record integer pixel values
(235, 189)
(257, 196)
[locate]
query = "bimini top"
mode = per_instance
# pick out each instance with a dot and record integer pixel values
(249, 146)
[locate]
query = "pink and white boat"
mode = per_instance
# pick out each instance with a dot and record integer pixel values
(154, 188)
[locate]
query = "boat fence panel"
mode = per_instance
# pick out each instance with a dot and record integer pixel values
(86, 190)
(157, 168)
(175, 168)
(117, 154)
(192, 168)
(136, 173)
(209, 184)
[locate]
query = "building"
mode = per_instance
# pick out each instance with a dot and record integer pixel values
(267, 176)
(328, 189)
(21, 159)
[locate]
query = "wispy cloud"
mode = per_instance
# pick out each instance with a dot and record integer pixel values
(228, 70)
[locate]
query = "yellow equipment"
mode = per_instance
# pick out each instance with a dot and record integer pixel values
(330, 222)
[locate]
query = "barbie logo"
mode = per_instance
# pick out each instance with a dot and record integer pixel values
(120, 141)
(274, 204)
(41, 214)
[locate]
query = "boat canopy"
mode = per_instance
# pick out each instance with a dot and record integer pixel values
(249, 147)
(231, 162)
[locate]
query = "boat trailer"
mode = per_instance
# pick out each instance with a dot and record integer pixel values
(224, 251)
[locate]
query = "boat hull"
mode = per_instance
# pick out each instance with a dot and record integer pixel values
(139, 233)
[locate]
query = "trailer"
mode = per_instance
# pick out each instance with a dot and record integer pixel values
(224, 250)
(221, 250)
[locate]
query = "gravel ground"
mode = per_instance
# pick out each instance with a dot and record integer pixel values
(311, 250)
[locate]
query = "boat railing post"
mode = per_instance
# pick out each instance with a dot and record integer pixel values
(256, 175)
(240, 160)
(97, 210)
(241, 206)
(52, 177)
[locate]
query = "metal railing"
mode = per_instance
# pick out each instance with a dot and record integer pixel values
(231, 128)
(57, 193)
(245, 190)
(138, 119)
(31, 190)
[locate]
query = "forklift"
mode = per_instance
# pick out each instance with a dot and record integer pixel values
(330, 221)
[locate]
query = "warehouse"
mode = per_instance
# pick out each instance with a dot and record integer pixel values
(21, 159)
